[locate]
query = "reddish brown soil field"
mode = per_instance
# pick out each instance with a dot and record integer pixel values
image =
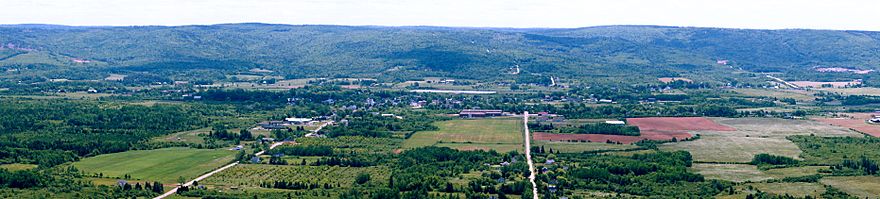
(855, 121)
(652, 128)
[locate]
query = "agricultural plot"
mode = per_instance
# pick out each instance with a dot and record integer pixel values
(854, 91)
(859, 186)
(252, 175)
(855, 121)
(164, 165)
(193, 136)
(753, 136)
(745, 172)
(796, 189)
(734, 149)
(500, 134)
(652, 128)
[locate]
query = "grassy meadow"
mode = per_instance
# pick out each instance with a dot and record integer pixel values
(163, 165)
(500, 134)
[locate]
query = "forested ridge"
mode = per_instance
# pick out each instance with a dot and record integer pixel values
(402, 52)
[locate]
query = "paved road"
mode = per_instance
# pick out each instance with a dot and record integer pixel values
(528, 151)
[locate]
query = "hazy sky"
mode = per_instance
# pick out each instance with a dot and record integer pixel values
(778, 14)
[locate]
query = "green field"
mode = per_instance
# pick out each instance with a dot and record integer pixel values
(164, 165)
(501, 134)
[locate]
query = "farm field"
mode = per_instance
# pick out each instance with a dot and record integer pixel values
(500, 134)
(859, 186)
(745, 172)
(251, 175)
(186, 136)
(711, 148)
(651, 128)
(856, 121)
(796, 189)
(580, 147)
(164, 165)
(753, 136)
(854, 91)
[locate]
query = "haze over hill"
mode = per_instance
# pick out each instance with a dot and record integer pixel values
(403, 52)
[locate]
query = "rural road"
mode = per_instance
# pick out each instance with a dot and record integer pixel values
(528, 150)
(783, 82)
(172, 191)
(209, 174)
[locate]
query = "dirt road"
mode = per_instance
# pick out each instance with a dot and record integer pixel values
(209, 174)
(528, 150)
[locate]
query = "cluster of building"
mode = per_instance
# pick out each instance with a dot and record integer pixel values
(472, 113)
(270, 125)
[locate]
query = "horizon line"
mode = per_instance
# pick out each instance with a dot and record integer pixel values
(425, 26)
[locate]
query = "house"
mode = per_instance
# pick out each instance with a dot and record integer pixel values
(272, 125)
(255, 160)
(875, 119)
(606, 101)
(505, 164)
(237, 148)
(471, 113)
(298, 121)
(549, 161)
(314, 135)
(615, 122)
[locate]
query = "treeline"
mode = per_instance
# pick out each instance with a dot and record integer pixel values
(421, 170)
(862, 166)
(767, 159)
(374, 125)
(303, 150)
(602, 128)
(589, 128)
(51, 132)
(661, 174)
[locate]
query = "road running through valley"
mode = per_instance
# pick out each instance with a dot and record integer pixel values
(528, 150)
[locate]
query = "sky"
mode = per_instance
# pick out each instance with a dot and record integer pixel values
(753, 14)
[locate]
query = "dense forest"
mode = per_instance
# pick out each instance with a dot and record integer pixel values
(160, 53)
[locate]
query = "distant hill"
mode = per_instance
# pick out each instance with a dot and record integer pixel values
(478, 53)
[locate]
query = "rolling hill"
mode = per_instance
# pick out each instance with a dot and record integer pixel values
(403, 52)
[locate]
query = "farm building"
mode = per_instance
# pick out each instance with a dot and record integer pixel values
(294, 120)
(469, 113)
(615, 122)
(272, 125)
